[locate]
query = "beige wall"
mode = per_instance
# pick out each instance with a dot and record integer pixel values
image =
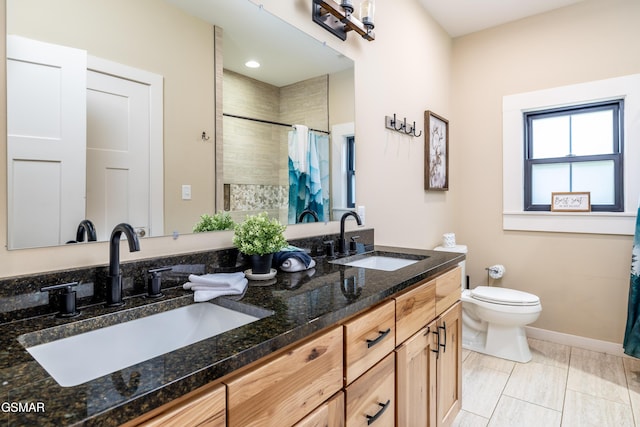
(581, 279)
(341, 108)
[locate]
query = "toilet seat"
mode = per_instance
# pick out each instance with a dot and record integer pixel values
(504, 296)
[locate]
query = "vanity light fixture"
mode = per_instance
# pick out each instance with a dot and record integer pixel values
(338, 18)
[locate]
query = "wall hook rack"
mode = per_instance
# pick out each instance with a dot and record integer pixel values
(401, 126)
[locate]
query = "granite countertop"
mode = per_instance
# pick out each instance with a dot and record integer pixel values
(302, 304)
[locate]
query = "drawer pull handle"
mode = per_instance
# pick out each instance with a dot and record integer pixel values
(371, 343)
(372, 418)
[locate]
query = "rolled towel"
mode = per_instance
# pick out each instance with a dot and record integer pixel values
(217, 280)
(279, 258)
(292, 264)
(206, 293)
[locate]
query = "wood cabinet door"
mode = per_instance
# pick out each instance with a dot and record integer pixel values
(449, 370)
(414, 309)
(448, 289)
(288, 387)
(207, 410)
(416, 379)
(370, 400)
(329, 414)
(368, 338)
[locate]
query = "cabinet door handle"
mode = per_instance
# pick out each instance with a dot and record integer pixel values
(383, 407)
(437, 349)
(371, 343)
(444, 328)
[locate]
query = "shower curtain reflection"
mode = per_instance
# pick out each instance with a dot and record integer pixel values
(308, 173)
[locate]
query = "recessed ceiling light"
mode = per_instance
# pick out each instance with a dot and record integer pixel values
(252, 64)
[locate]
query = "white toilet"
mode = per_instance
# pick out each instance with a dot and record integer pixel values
(493, 318)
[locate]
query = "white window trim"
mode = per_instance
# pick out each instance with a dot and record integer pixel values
(513, 106)
(339, 134)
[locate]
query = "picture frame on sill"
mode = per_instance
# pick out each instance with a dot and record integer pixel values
(436, 152)
(571, 201)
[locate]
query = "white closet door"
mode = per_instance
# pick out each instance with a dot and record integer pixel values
(118, 133)
(46, 121)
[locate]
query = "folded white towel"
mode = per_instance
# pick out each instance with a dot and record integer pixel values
(291, 265)
(214, 280)
(205, 293)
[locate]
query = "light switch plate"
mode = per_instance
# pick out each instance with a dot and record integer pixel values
(186, 192)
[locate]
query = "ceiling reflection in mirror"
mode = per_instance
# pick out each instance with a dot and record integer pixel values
(135, 141)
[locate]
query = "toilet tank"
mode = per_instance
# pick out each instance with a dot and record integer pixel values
(461, 249)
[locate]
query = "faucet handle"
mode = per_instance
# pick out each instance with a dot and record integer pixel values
(66, 300)
(329, 251)
(155, 281)
(353, 244)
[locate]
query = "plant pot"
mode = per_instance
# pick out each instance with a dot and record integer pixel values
(261, 264)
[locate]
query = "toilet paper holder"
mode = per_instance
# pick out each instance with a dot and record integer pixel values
(495, 272)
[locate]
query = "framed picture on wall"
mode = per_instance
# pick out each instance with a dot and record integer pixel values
(436, 152)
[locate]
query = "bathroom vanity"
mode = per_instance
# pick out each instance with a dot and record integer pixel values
(337, 344)
(411, 339)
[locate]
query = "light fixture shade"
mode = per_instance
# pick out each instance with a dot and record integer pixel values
(347, 5)
(367, 10)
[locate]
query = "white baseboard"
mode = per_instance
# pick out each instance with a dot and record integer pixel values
(576, 341)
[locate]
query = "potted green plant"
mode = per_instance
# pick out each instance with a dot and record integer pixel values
(216, 222)
(259, 237)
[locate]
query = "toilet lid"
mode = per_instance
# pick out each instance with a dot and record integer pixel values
(504, 296)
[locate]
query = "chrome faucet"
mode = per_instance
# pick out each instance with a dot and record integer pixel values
(308, 212)
(114, 279)
(342, 243)
(86, 227)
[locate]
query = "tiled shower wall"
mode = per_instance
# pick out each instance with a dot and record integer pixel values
(255, 154)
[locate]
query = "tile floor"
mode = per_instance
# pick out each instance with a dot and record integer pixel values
(561, 386)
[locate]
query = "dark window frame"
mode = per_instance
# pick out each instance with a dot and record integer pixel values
(351, 171)
(617, 106)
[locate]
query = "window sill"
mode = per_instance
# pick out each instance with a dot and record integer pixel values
(620, 223)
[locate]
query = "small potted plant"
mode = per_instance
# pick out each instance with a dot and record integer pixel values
(259, 237)
(216, 222)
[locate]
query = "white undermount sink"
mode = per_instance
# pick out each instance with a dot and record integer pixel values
(80, 358)
(379, 261)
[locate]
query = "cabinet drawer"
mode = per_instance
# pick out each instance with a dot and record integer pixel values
(414, 309)
(288, 387)
(205, 410)
(448, 290)
(368, 338)
(329, 414)
(371, 398)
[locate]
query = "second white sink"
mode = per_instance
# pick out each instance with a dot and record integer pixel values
(380, 260)
(80, 358)
(382, 263)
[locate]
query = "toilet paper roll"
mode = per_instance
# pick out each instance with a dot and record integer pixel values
(496, 271)
(449, 240)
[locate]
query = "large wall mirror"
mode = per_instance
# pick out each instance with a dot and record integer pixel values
(112, 116)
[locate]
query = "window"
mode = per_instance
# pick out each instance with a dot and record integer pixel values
(575, 148)
(351, 172)
(596, 93)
